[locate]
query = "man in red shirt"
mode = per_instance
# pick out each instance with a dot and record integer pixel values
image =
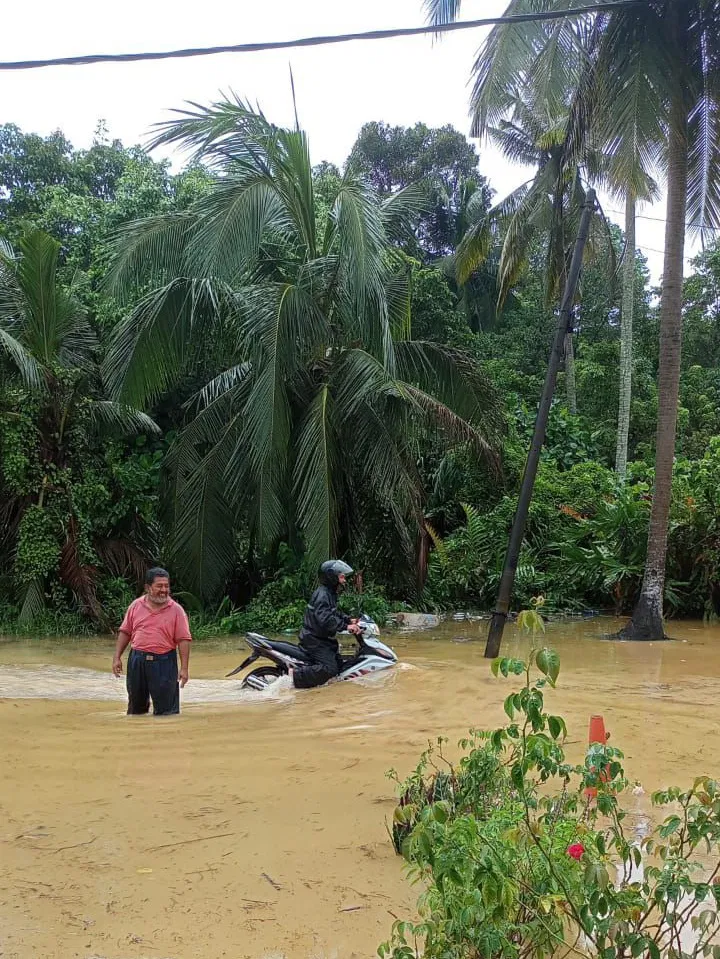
(156, 628)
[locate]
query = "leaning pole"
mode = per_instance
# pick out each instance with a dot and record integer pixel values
(504, 595)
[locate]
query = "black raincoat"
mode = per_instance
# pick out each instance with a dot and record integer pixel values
(322, 621)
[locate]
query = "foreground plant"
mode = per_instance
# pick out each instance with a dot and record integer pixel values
(516, 860)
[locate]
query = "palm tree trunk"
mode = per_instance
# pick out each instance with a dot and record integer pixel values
(626, 338)
(647, 619)
(570, 384)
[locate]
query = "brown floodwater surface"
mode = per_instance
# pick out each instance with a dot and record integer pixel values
(253, 825)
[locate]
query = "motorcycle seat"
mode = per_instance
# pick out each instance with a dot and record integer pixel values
(289, 649)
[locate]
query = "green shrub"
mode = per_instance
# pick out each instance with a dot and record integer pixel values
(280, 605)
(515, 859)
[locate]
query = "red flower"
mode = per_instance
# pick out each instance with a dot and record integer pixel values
(576, 850)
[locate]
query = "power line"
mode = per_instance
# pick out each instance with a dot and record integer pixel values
(660, 219)
(313, 41)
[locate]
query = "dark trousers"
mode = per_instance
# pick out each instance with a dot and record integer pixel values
(153, 676)
(326, 662)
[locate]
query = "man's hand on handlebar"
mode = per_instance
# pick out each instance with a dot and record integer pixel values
(354, 628)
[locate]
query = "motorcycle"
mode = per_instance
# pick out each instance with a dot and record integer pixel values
(372, 655)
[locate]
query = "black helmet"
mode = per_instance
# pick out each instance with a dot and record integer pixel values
(331, 570)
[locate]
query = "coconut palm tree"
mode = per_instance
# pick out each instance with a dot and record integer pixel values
(629, 126)
(311, 417)
(676, 45)
(550, 65)
(48, 363)
(673, 47)
(546, 208)
(525, 112)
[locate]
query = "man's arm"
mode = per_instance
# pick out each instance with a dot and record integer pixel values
(123, 639)
(184, 650)
(183, 637)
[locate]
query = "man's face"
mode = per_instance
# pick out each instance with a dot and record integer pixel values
(159, 592)
(341, 579)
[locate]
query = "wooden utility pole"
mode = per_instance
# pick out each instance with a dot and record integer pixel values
(502, 603)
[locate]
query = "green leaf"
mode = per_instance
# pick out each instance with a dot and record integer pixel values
(517, 777)
(670, 826)
(596, 875)
(548, 662)
(556, 726)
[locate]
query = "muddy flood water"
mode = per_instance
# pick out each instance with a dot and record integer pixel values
(253, 825)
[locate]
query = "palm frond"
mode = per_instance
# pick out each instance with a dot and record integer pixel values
(122, 558)
(29, 369)
(36, 275)
(282, 323)
(221, 385)
(704, 157)
(400, 210)
(233, 220)
(369, 409)
(442, 11)
(457, 428)
(438, 543)
(150, 251)
(54, 325)
(106, 415)
(515, 144)
(382, 460)
(269, 428)
(12, 305)
(203, 539)
(398, 291)
(314, 477)
(473, 250)
(455, 379)
(631, 125)
(509, 52)
(360, 243)
(357, 379)
(33, 603)
(554, 74)
(532, 216)
(154, 344)
(229, 130)
(292, 169)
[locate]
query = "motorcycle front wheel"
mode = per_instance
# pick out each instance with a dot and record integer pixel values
(261, 678)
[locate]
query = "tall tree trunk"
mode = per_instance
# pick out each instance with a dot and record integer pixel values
(570, 384)
(517, 533)
(626, 338)
(647, 619)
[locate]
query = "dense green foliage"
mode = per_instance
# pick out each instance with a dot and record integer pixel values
(314, 378)
(522, 853)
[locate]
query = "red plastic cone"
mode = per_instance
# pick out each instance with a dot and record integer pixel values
(596, 734)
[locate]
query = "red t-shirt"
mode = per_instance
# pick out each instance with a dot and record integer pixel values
(156, 629)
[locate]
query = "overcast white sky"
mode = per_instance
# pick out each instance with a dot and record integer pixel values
(338, 87)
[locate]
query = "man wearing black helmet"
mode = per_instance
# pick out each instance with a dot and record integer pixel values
(322, 621)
